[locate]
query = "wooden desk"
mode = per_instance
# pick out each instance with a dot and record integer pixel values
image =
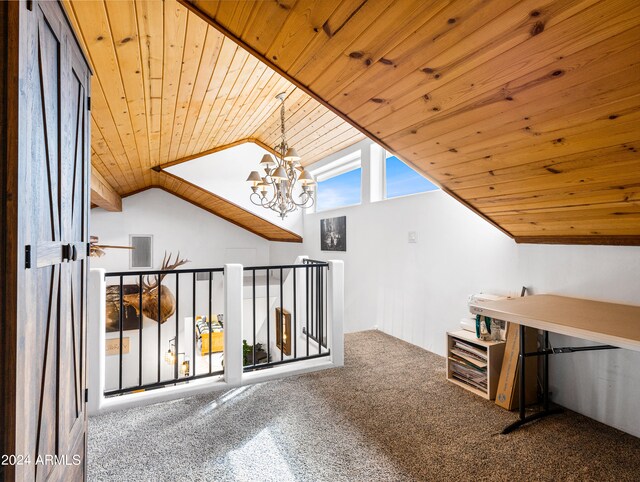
(616, 325)
(597, 321)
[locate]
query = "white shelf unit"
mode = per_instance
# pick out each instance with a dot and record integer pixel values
(495, 353)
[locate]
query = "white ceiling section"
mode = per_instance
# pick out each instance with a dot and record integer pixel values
(224, 173)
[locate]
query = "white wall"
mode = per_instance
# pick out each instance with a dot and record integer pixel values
(417, 292)
(176, 225)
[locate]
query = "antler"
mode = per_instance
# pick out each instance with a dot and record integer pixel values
(167, 265)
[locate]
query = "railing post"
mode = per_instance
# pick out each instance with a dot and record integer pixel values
(96, 338)
(233, 323)
(335, 288)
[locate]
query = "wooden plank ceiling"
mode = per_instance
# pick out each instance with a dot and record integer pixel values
(168, 86)
(527, 111)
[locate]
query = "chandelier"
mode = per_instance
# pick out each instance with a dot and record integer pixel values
(283, 175)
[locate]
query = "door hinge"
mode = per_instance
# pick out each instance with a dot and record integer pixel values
(29, 4)
(88, 103)
(86, 395)
(27, 256)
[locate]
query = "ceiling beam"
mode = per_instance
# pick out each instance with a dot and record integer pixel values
(222, 208)
(102, 194)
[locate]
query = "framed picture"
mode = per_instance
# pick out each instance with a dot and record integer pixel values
(130, 320)
(333, 234)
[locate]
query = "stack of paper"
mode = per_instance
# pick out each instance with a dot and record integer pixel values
(469, 364)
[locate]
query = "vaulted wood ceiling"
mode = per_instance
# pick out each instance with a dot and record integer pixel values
(527, 111)
(168, 86)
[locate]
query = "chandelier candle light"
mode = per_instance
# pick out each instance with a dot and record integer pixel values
(276, 189)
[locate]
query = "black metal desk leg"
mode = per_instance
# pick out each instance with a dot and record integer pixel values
(523, 419)
(522, 372)
(545, 374)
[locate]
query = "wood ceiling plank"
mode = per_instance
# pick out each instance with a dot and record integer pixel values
(103, 127)
(124, 28)
(293, 102)
(115, 176)
(621, 225)
(528, 118)
(225, 57)
(264, 80)
(338, 136)
(299, 121)
(337, 145)
(618, 172)
(98, 39)
(175, 28)
(264, 32)
(323, 133)
(234, 69)
(261, 106)
(617, 190)
(192, 58)
(556, 129)
(579, 79)
(249, 88)
(373, 44)
(311, 63)
(305, 22)
(482, 32)
(539, 52)
(151, 42)
(592, 213)
(210, 53)
(609, 156)
(210, 7)
(235, 94)
(318, 118)
(524, 152)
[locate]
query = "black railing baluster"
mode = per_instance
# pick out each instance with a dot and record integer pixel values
(253, 360)
(268, 316)
(159, 288)
(193, 324)
(210, 313)
(120, 322)
(140, 331)
(281, 317)
(326, 307)
(294, 328)
(319, 307)
(306, 272)
(175, 369)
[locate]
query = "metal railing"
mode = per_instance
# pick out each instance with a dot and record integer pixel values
(295, 313)
(131, 306)
(285, 320)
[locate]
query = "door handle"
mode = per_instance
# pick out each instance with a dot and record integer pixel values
(69, 252)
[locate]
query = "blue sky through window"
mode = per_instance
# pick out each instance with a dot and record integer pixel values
(342, 190)
(402, 180)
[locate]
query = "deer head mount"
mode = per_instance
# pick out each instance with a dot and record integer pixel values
(152, 288)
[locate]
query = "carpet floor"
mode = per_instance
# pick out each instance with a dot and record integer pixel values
(388, 415)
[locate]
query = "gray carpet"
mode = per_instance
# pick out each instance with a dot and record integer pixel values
(388, 415)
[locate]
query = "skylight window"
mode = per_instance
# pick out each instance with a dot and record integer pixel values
(339, 183)
(402, 180)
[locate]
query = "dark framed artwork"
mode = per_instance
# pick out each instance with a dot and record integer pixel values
(130, 319)
(333, 234)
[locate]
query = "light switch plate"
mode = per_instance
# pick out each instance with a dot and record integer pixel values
(412, 237)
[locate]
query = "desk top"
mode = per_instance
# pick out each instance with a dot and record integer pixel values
(608, 323)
